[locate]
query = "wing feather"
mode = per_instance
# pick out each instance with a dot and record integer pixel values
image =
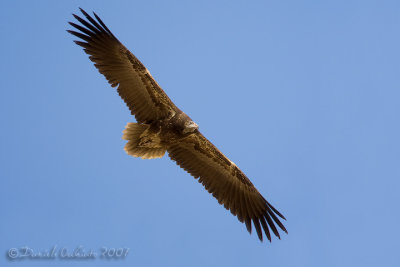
(227, 183)
(141, 93)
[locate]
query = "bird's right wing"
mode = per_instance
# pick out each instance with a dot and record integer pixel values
(141, 93)
(226, 182)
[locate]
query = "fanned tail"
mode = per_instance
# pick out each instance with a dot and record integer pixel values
(141, 143)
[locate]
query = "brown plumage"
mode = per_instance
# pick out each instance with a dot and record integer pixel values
(162, 127)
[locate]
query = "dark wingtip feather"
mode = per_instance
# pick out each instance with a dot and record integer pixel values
(248, 225)
(82, 29)
(277, 221)
(82, 44)
(266, 230)
(275, 210)
(102, 24)
(271, 223)
(79, 35)
(94, 22)
(87, 24)
(83, 11)
(258, 228)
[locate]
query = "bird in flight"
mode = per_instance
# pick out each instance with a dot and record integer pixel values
(162, 127)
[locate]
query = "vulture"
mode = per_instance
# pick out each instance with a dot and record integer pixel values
(162, 127)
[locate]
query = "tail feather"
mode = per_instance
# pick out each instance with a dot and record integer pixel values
(135, 133)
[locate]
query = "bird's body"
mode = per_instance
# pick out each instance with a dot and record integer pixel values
(162, 127)
(151, 140)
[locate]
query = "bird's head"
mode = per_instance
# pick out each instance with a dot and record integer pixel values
(190, 126)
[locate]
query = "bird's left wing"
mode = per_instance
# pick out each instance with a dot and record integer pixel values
(226, 182)
(141, 93)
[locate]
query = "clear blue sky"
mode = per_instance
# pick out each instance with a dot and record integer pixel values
(304, 96)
